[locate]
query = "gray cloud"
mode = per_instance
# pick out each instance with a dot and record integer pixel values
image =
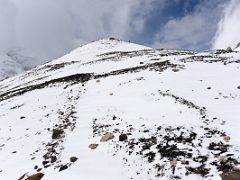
(7, 23)
(48, 29)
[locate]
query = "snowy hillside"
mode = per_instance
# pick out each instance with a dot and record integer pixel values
(113, 110)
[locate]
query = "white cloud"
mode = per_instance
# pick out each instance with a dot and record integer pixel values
(49, 29)
(192, 31)
(228, 33)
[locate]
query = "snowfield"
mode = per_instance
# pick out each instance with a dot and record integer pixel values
(176, 110)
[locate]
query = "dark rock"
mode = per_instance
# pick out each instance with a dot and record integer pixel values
(22, 117)
(123, 137)
(46, 166)
(201, 170)
(53, 159)
(45, 162)
(63, 167)
(73, 159)
(36, 167)
(57, 133)
(175, 70)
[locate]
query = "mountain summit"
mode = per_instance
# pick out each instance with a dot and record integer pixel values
(117, 110)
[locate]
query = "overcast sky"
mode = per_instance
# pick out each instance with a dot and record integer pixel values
(51, 28)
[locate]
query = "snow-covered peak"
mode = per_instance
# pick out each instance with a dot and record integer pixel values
(88, 51)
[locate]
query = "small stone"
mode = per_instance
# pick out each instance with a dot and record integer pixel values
(226, 138)
(238, 87)
(209, 88)
(98, 81)
(46, 166)
(111, 94)
(173, 163)
(45, 162)
(175, 70)
(123, 137)
(53, 159)
(73, 159)
(107, 137)
(22, 117)
(36, 167)
(93, 146)
(39, 169)
(63, 167)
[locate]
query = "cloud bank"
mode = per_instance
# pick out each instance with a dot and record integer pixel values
(228, 33)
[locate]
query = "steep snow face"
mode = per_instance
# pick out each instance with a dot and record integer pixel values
(178, 111)
(8, 67)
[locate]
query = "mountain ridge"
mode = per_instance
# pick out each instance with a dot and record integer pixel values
(169, 105)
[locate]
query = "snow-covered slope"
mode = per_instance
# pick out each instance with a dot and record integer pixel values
(179, 111)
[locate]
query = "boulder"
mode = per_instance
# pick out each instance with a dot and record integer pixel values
(108, 136)
(93, 146)
(37, 176)
(234, 175)
(123, 137)
(73, 159)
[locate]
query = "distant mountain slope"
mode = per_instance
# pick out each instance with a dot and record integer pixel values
(117, 110)
(15, 62)
(8, 67)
